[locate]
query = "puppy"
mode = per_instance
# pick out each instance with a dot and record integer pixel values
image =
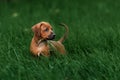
(42, 40)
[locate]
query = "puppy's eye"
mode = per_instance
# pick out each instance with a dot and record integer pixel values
(46, 29)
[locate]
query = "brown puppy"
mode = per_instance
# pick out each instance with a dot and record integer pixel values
(42, 39)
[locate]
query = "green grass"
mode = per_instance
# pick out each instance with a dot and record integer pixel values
(93, 44)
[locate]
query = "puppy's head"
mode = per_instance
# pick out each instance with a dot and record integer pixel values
(43, 30)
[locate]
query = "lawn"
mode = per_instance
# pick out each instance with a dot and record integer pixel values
(93, 44)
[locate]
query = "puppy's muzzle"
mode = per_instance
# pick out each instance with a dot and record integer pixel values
(51, 36)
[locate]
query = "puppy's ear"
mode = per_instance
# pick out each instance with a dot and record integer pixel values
(36, 29)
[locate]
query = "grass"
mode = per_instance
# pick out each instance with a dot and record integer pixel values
(93, 44)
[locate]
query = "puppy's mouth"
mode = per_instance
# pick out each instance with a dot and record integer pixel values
(51, 37)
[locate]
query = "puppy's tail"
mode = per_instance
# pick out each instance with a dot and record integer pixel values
(65, 34)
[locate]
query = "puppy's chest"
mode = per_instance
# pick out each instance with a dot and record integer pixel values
(47, 46)
(43, 46)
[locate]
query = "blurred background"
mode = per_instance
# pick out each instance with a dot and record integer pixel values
(92, 46)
